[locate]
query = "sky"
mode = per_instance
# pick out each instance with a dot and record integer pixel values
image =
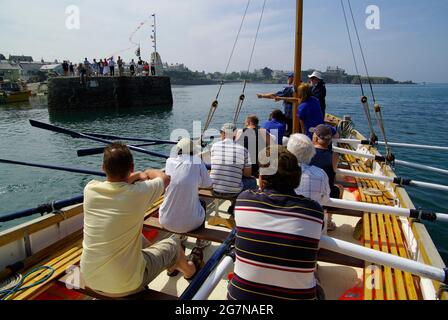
(410, 44)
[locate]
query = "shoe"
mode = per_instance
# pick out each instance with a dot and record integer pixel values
(201, 244)
(197, 257)
(331, 226)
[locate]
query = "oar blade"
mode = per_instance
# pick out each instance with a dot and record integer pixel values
(49, 127)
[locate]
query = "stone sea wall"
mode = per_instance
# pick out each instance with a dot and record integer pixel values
(109, 92)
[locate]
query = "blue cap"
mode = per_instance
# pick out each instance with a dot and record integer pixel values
(290, 75)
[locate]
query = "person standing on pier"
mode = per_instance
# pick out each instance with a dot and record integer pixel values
(72, 69)
(120, 66)
(101, 67)
(153, 68)
(112, 67)
(132, 68)
(65, 68)
(105, 67)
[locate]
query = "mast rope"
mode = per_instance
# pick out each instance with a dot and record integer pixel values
(215, 103)
(243, 96)
(364, 100)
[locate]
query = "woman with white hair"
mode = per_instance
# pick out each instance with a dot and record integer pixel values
(314, 182)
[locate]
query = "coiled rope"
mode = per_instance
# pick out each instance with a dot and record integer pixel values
(8, 291)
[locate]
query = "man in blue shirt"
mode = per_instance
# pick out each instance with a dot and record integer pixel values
(287, 92)
(275, 126)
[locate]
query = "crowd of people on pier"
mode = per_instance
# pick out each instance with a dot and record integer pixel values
(108, 67)
(277, 180)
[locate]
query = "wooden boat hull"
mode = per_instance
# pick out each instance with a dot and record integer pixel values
(12, 97)
(42, 239)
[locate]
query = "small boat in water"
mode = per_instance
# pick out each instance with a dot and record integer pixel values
(380, 249)
(11, 92)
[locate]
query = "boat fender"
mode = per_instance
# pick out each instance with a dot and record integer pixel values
(380, 159)
(402, 181)
(422, 215)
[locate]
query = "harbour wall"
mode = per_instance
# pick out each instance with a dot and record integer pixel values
(109, 92)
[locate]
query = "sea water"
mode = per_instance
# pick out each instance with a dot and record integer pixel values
(412, 114)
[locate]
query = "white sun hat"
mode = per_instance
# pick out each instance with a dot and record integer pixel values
(316, 74)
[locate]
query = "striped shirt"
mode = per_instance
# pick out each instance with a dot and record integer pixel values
(314, 184)
(276, 246)
(228, 159)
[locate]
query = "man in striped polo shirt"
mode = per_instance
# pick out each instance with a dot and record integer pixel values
(231, 167)
(278, 235)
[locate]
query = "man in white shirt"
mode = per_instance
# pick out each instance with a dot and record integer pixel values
(113, 262)
(182, 211)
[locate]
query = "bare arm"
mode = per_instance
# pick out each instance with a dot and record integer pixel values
(266, 95)
(154, 174)
(247, 172)
(335, 161)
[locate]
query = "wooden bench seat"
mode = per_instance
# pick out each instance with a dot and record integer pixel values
(203, 233)
(147, 294)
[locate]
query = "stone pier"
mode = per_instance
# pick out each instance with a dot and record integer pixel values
(109, 92)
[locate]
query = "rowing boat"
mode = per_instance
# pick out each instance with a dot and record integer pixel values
(371, 255)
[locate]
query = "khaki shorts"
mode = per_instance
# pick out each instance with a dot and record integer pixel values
(160, 256)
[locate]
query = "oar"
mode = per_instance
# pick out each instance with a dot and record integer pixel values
(59, 168)
(95, 151)
(44, 208)
(383, 159)
(345, 248)
(111, 137)
(396, 180)
(392, 144)
(382, 258)
(75, 134)
(375, 208)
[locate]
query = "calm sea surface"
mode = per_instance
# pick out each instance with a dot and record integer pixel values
(413, 114)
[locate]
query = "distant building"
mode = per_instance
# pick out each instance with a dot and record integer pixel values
(180, 67)
(335, 70)
(21, 58)
(53, 69)
(31, 70)
(2, 57)
(280, 74)
(10, 71)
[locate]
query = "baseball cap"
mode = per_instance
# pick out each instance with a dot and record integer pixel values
(290, 75)
(228, 127)
(323, 132)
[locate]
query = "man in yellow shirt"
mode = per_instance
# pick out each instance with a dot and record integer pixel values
(115, 261)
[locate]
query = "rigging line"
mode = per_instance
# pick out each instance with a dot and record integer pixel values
(362, 51)
(351, 46)
(364, 101)
(242, 97)
(234, 46)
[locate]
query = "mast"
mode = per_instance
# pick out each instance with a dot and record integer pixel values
(297, 63)
(154, 40)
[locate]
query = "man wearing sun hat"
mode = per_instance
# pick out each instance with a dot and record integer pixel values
(182, 211)
(319, 91)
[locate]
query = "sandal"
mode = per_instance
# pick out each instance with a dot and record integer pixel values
(175, 272)
(197, 257)
(331, 226)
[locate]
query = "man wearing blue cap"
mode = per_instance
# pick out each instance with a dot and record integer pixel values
(287, 92)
